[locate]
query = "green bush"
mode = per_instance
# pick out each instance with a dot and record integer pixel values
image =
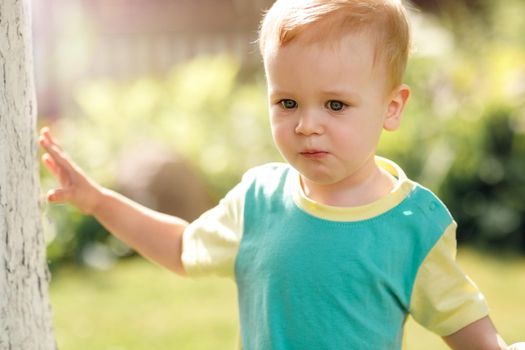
(464, 131)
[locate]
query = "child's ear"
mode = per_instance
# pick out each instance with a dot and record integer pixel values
(394, 112)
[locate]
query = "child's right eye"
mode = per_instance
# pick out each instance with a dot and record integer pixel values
(288, 104)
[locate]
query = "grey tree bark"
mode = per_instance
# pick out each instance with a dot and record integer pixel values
(25, 312)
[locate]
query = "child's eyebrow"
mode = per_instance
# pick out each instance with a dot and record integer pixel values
(332, 93)
(341, 93)
(276, 92)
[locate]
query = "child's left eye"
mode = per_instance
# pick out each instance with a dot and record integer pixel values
(335, 106)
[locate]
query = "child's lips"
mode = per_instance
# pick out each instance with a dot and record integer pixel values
(313, 154)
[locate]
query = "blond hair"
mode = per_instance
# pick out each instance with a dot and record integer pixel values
(332, 19)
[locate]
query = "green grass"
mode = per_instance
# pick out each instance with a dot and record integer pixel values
(137, 305)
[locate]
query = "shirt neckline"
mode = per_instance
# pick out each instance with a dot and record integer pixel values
(399, 192)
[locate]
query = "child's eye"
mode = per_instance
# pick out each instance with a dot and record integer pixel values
(335, 106)
(288, 104)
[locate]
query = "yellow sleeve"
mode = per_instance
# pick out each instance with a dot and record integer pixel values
(444, 299)
(210, 243)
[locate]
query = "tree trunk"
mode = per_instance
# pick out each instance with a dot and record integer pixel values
(25, 313)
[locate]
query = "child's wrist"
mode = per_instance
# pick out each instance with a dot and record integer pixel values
(96, 199)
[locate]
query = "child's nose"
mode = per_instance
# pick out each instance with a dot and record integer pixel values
(309, 124)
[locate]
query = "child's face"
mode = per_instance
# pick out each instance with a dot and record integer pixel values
(328, 105)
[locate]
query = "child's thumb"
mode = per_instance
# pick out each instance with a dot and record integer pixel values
(57, 196)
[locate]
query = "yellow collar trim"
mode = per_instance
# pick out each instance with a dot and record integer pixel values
(401, 189)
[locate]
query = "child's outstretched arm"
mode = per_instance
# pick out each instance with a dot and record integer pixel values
(154, 235)
(480, 335)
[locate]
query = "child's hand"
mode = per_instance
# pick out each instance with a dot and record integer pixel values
(517, 346)
(75, 187)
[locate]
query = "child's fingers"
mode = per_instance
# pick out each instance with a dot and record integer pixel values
(56, 170)
(47, 140)
(50, 164)
(58, 155)
(46, 133)
(57, 196)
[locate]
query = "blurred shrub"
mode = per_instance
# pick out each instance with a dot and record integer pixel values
(201, 110)
(464, 131)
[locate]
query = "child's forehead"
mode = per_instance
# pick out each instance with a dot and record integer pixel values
(338, 64)
(327, 20)
(328, 33)
(351, 55)
(348, 46)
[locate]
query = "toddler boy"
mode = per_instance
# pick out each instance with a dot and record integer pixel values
(335, 248)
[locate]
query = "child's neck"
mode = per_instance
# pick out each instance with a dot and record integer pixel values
(363, 189)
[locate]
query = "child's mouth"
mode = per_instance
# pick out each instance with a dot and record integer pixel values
(313, 154)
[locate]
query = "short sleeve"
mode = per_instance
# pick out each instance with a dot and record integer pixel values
(210, 243)
(444, 299)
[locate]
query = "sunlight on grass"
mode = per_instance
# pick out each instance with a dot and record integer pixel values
(137, 305)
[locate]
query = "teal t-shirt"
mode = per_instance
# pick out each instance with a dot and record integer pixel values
(306, 282)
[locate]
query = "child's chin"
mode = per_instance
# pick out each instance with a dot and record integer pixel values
(318, 177)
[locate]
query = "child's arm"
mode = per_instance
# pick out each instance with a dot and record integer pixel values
(154, 235)
(480, 335)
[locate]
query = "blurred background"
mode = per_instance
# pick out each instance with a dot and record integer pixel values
(164, 101)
